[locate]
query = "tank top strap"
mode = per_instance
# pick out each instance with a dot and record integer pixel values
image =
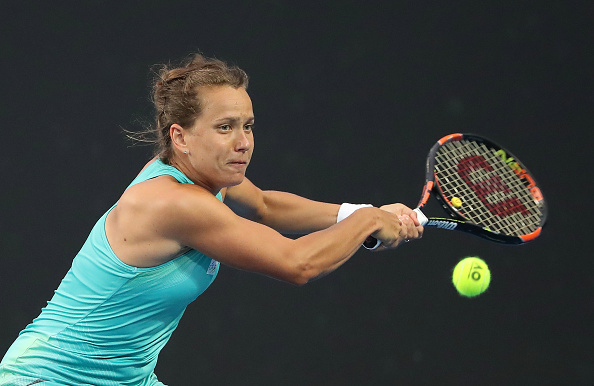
(158, 168)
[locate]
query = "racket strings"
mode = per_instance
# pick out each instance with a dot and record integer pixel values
(492, 194)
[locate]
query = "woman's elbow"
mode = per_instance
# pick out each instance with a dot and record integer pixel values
(302, 273)
(299, 267)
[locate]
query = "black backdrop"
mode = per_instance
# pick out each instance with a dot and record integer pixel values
(348, 99)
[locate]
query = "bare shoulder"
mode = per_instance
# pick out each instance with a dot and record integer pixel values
(152, 195)
(158, 220)
(143, 228)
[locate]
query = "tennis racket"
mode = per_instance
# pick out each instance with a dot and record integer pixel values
(484, 188)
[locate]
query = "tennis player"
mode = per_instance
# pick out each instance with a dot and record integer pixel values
(159, 247)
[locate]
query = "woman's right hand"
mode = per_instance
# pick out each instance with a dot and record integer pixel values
(398, 226)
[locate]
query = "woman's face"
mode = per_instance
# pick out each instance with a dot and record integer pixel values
(220, 143)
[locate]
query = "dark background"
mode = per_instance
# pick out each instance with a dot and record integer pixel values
(348, 98)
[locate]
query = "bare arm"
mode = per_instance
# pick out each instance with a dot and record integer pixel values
(198, 220)
(284, 212)
(159, 219)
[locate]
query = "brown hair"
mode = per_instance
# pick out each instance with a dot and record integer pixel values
(176, 97)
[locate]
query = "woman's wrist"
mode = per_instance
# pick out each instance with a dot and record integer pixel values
(345, 210)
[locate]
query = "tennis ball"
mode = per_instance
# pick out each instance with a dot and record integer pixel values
(471, 276)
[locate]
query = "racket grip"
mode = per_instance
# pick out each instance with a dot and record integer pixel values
(372, 243)
(421, 217)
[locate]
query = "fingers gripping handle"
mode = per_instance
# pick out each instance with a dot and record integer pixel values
(372, 243)
(421, 217)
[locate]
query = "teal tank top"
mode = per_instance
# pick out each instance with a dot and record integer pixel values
(108, 321)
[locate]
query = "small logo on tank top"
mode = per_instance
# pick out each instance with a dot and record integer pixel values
(212, 268)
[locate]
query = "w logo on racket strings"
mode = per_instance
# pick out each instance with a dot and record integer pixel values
(494, 184)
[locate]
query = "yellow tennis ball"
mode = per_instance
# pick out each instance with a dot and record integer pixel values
(471, 276)
(456, 202)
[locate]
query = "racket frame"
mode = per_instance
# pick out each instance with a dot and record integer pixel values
(458, 221)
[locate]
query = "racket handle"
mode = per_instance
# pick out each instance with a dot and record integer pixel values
(421, 217)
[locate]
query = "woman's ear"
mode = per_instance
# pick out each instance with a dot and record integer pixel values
(178, 139)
